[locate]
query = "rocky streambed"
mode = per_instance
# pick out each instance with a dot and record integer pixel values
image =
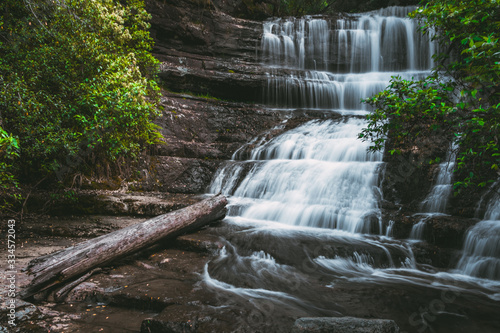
(120, 296)
(164, 288)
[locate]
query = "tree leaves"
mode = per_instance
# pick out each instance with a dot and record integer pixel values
(466, 107)
(77, 74)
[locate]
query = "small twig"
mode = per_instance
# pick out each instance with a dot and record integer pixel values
(28, 4)
(28, 195)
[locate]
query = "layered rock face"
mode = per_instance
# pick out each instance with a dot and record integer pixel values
(203, 52)
(213, 79)
(212, 85)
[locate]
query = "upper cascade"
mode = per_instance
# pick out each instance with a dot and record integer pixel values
(383, 40)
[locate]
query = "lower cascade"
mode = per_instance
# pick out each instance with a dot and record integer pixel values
(436, 201)
(440, 193)
(304, 236)
(317, 175)
(481, 254)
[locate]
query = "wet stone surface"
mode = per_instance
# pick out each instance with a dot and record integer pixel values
(120, 296)
(164, 288)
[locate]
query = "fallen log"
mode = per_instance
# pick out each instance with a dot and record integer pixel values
(52, 269)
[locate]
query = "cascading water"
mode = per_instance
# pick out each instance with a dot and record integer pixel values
(481, 253)
(320, 174)
(317, 175)
(436, 201)
(304, 229)
(382, 41)
(417, 231)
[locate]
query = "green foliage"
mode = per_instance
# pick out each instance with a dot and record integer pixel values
(303, 7)
(9, 151)
(76, 82)
(407, 110)
(314, 7)
(465, 108)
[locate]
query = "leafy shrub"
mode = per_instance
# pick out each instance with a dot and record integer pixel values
(77, 80)
(465, 107)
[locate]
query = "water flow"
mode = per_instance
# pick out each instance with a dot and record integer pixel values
(317, 175)
(365, 51)
(384, 40)
(437, 200)
(481, 253)
(417, 231)
(304, 211)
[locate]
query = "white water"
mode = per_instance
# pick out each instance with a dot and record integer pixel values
(305, 205)
(379, 41)
(481, 253)
(437, 200)
(325, 90)
(317, 175)
(335, 65)
(417, 231)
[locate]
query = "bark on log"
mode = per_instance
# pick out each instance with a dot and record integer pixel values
(71, 262)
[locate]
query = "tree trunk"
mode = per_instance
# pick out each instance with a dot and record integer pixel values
(71, 262)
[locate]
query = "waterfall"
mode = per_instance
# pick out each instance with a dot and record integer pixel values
(481, 253)
(384, 40)
(417, 231)
(319, 174)
(437, 199)
(303, 235)
(334, 65)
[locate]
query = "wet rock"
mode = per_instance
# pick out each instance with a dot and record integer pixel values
(196, 27)
(138, 204)
(447, 231)
(441, 230)
(99, 202)
(151, 325)
(372, 220)
(208, 129)
(199, 242)
(199, 134)
(231, 81)
(435, 256)
(139, 281)
(403, 223)
(344, 325)
(184, 175)
(473, 201)
(408, 176)
(442, 238)
(83, 291)
(255, 9)
(22, 315)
